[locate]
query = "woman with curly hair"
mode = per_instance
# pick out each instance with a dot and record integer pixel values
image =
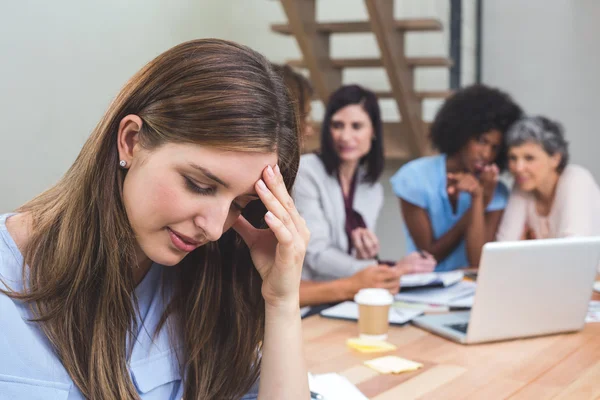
(551, 198)
(452, 203)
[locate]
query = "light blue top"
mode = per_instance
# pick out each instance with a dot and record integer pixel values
(29, 368)
(423, 182)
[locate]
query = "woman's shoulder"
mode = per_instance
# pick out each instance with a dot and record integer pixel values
(577, 180)
(421, 171)
(311, 164)
(29, 365)
(11, 260)
(429, 165)
(577, 173)
(311, 160)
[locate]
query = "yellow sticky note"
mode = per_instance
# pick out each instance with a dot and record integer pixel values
(370, 346)
(392, 365)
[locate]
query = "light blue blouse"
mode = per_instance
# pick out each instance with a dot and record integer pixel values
(29, 368)
(423, 182)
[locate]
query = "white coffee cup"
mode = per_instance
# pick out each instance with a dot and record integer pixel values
(373, 313)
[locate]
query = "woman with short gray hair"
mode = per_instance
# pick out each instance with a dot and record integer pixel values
(551, 198)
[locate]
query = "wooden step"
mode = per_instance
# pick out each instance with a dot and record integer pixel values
(425, 94)
(420, 25)
(394, 141)
(376, 62)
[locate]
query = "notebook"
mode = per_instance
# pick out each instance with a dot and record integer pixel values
(458, 295)
(430, 280)
(349, 310)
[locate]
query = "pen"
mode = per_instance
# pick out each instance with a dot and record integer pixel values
(316, 396)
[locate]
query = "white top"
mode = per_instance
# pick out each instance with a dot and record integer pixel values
(319, 199)
(575, 211)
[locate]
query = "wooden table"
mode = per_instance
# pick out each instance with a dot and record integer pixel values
(563, 366)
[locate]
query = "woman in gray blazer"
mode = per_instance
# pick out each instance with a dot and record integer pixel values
(338, 194)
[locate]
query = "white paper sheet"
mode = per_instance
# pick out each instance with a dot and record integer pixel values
(349, 310)
(334, 387)
(593, 314)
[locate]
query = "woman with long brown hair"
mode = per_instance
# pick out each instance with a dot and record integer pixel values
(166, 262)
(301, 91)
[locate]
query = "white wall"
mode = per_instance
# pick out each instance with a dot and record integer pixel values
(547, 55)
(62, 63)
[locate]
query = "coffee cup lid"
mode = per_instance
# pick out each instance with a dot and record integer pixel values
(374, 297)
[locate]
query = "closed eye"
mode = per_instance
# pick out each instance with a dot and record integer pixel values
(195, 188)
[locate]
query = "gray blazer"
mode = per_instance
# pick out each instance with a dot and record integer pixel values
(319, 200)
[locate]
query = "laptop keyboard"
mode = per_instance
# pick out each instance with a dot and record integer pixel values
(459, 327)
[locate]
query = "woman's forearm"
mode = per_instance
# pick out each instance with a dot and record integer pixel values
(476, 234)
(283, 371)
(442, 247)
(315, 293)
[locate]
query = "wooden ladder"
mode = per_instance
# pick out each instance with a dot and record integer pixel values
(404, 140)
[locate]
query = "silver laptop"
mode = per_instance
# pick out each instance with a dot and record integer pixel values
(525, 288)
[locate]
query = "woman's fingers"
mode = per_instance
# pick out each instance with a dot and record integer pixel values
(282, 233)
(282, 217)
(423, 267)
(490, 173)
(365, 242)
(371, 243)
(358, 244)
(288, 213)
(427, 255)
(274, 205)
(393, 287)
(415, 263)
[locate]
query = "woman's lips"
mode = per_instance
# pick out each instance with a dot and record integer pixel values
(182, 242)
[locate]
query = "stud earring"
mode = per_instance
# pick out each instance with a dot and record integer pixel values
(123, 163)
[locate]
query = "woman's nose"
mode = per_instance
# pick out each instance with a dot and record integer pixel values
(519, 166)
(214, 221)
(486, 154)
